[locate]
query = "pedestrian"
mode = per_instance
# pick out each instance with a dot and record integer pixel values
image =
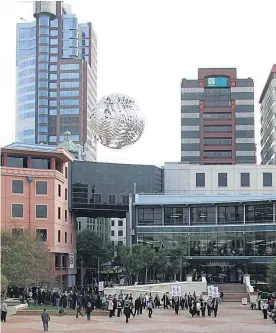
(119, 306)
(150, 306)
(176, 304)
(4, 311)
(215, 307)
(127, 310)
(110, 306)
(79, 309)
(137, 306)
(88, 310)
(265, 308)
(45, 317)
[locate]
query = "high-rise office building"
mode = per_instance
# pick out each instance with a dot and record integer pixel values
(268, 120)
(217, 118)
(56, 77)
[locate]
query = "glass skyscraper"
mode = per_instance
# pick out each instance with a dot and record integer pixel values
(56, 77)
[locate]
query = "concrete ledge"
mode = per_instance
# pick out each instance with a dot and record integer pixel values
(55, 313)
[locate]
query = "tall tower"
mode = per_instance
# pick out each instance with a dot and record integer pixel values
(56, 77)
(217, 118)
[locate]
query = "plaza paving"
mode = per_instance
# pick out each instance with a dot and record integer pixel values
(231, 318)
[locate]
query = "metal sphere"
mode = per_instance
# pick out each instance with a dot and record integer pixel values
(116, 121)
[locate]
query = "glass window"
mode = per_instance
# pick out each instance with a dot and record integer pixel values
(67, 76)
(59, 236)
(54, 23)
(217, 154)
(217, 116)
(53, 59)
(53, 112)
(41, 234)
(17, 186)
(200, 180)
(267, 179)
(65, 215)
(43, 57)
(69, 93)
(222, 179)
(53, 103)
(41, 211)
(43, 111)
(176, 216)
(112, 199)
(52, 138)
(44, 40)
(259, 213)
(230, 214)
(217, 128)
(72, 84)
(245, 179)
(17, 162)
(120, 223)
(44, 20)
(43, 101)
(120, 233)
(42, 93)
(43, 120)
(43, 48)
(59, 190)
(41, 187)
(54, 32)
(69, 111)
(203, 215)
(150, 216)
(68, 67)
(65, 102)
(217, 141)
(54, 41)
(65, 241)
(40, 163)
(66, 194)
(17, 210)
(43, 75)
(53, 50)
(112, 233)
(59, 213)
(112, 223)
(53, 94)
(53, 85)
(53, 76)
(43, 84)
(53, 68)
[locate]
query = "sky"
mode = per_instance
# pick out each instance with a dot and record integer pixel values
(145, 48)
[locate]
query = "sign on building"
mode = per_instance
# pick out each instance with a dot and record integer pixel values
(101, 286)
(176, 291)
(71, 260)
(210, 291)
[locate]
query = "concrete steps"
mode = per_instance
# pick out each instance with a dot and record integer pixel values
(233, 292)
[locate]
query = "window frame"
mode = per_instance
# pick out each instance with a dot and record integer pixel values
(198, 179)
(220, 174)
(267, 173)
(241, 179)
(41, 181)
(46, 234)
(17, 193)
(41, 218)
(17, 217)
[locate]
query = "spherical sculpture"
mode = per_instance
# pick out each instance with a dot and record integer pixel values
(116, 121)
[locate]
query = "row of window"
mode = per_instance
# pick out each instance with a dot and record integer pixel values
(218, 128)
(120, 223)
(244, 179)
(197, 215)
(80, 196)
(217, 116)
(120, 233)
(70, 111)
(217, 141)
(217, 154)
(62, 102)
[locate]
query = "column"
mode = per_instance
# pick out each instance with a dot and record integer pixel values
(163, 215)
(29, 162)
(274, 212)
(5, 161)
(53, 163)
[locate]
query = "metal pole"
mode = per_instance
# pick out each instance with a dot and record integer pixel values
(82, 275)
(98, 271)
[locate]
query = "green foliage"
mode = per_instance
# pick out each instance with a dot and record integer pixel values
(25, 261)
(272, 276)
(4, 283)
(90, 247)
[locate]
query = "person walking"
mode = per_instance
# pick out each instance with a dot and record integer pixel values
(79, 309)
(45, 317)
(127, 310)
(215, 307)
(137, 306)
(150, 306)
(110, 306)
(265, 308)
(119, 306)
(4, 311)
(88, 310)
(176, 304)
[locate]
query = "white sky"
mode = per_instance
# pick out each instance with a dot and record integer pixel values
(145, 48)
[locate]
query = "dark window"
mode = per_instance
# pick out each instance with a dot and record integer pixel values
(200, 180)
(149, 216)
(40, 163)
(176, 216)
(17, 210)
(41, 234)
(245, 179)
(259, 213)
(59, 213)
(120, 232)
(64, 260)
(112, 223)
(203, 214)
(267, 179)
(217, 141)
(120, 223)
(112, 233)
(217, 116)
(217, 97)
(16, 232)
(218, 128)
(222, 179)
(120, 243)
(41, 187)
(59, 236)
(41, 211)
(96, 198)
(17, 162)
(125, 199)
(230, 214)
(65, 237)
(57, 261)
(66, 194)
(65, 215)
(111, 199)
(218, 154)
(59, 190)
(66, 172)
(71, 238)
(17, 186)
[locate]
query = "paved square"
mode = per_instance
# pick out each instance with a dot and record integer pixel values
(231, 318)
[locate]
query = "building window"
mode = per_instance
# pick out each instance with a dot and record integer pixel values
(96, 198)
(222, 179)
(149, 216)
(217, 141)
(112, 233)
(66, 194)
(65, 237)
(200, 180)
(245, 179)
(217, 154)
(112, 223)
(230, 214)
(59, 190)
(41, 234)
(41, 211)
(66, 172)
(203, 215)
(65, 215)
(59, 213)
(259, 213)
(64, 257)
(17, 186)
(17, 210)
(41, 187)
(59, 236)
(111, 199)
(120, 233)
(71, 238)
(125, 199)
(217, 116)
(57, 261)
(120, 243)
(217, 128)
(16, 232)
(120, 223)
(267, 179)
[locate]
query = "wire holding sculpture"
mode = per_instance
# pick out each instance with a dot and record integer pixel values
(117, 121)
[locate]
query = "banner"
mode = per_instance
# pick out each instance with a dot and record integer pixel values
(210, 291)
(215, 292)
(176, 291)
(101, 286)
(71, 260)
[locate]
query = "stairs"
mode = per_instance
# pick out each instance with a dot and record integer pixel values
(233, 292)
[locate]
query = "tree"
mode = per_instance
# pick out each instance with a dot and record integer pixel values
(147, 257)
(25, 260)
(272, 276)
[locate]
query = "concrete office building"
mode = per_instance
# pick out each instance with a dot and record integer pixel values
(268, 120)
(56, 80)
(118, 231)
(34, 198)
(217, 118)
(100, 225)
(186, 179)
